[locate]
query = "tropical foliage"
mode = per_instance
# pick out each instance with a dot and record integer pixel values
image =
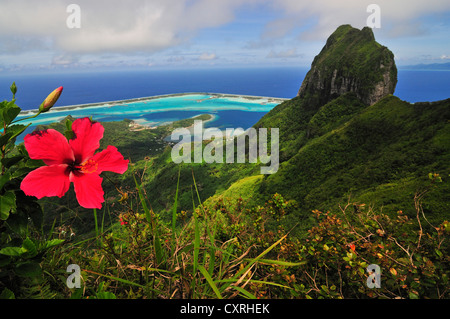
(357, 187)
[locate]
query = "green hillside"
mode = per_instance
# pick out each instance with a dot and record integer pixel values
(362, 180)
(380, 155)
(343, 150)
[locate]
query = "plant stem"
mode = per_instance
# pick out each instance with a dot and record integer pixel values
(96, 224)
(26, 118)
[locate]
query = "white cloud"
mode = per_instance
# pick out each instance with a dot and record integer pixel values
(143, 27)
(115, 25)
(207, 56)
(397, 17)
(290, 53)
(64, 59)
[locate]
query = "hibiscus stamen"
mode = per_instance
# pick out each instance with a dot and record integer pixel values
(88, 167)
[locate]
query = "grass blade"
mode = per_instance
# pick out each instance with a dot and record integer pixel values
(257, 282)
(124, 281)
(148, 216)
(96, 226)
(211, 283)
(115, 278)
(244, 292)
(196, 237)
(95, 220)
(143, 203)
(254, 260)
(174, 212)
(211, 235)
(281, 262)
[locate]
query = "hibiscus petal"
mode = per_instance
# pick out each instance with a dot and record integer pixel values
(47, 181)
(50, 146)
(110, 160)
(86, 141)
(88, 188)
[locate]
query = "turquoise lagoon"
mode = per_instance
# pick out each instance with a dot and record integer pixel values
(231, 111)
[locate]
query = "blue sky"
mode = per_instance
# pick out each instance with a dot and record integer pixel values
(162, 34)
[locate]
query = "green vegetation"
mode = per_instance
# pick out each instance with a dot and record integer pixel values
(378, 154)
(225, 231)
(357, 185)
(350, 61)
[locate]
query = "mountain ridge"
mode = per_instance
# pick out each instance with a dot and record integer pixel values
(350, 61)
(342, 150)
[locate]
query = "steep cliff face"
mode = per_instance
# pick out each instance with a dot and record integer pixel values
(350, 61)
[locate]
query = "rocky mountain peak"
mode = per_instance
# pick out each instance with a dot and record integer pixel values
(350, 61)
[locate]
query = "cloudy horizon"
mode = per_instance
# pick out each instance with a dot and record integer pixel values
(208, 33)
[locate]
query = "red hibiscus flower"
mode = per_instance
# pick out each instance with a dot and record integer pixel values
(71, 161)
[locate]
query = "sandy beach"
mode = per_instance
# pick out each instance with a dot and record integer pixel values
(135, 127)
(244, 98)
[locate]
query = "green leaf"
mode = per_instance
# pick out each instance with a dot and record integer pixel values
(19, 222)
(28, 269)
(69, 134)
(105, 295)
(69, 124)
(17, 129)
(3, 105)
(20, 172)
(5, 260)
(10, 112)
(54, 242)
(7, 294)
(34, 163)
(413, 296)
(29, 247)
(4, 139)
(5, 178)
(12, 251)
(7, 204)
(10, 161)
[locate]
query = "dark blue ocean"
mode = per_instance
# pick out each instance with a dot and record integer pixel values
(94, 87)
(90, 87)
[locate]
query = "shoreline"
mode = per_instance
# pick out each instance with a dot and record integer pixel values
(149, 98)
(135, 126)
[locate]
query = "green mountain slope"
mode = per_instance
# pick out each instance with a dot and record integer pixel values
(335, 148)
(378, 155)
(382, 154)
(344, 149)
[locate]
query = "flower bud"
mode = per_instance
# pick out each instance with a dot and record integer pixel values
(13, 88)
(50, 100)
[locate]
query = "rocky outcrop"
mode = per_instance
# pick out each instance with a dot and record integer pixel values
(350, 61)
